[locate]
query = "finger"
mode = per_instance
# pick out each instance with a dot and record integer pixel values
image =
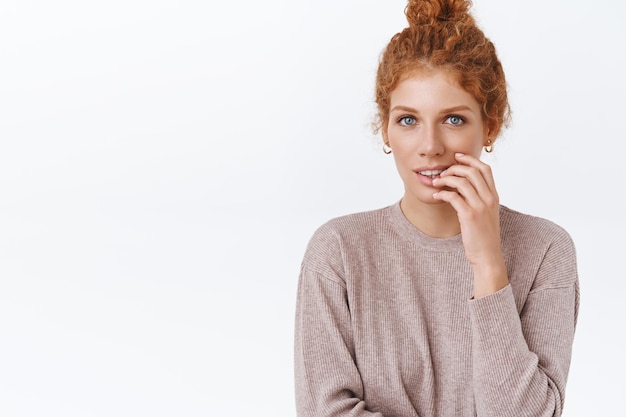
(484, 169)
(479, 175)
(462, 186)
(482, 180)
(454, 199)
(473, 176)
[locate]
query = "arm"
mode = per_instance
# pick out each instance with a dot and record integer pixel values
(327, 380)
(521, 361)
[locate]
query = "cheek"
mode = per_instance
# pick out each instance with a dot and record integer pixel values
(477, 147)
(399, 138)
(404, 160)
(473, 143)
(401, 149)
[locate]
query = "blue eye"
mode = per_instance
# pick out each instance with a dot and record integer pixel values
(455, 120)
(407, 121)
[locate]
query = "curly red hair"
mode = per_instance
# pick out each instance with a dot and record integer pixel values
(443, 35)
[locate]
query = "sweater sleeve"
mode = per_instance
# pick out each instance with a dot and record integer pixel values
(521, 360)
(328, 383)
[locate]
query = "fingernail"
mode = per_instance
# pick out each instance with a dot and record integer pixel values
(459, 154)
(435, 195)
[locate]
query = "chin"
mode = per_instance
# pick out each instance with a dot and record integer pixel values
(423, 197)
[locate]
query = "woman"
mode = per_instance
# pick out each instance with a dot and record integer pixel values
(445, 303)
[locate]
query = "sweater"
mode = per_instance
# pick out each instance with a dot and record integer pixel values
(386, 325)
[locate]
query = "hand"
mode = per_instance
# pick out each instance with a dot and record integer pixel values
(470, 189)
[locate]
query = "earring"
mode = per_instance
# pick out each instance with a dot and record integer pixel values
(489, 146)
(386, 149)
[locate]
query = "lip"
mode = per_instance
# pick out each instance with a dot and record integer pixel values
(432, 168)
(426, 180)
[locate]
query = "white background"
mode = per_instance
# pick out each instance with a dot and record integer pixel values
(164, 163)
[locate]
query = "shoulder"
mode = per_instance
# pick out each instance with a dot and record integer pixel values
(524, 228)
(540, 245)
(342, 236)
(350, 226)
(525, 225)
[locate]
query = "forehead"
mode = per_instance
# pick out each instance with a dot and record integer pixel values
(431, 88)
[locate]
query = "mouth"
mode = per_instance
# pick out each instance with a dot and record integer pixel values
(431, 173)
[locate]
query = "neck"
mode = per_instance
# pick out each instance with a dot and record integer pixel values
(438, 220)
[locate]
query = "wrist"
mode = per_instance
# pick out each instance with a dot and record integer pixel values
(489, 278)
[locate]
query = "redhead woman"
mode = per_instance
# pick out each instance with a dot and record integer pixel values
(445, 303)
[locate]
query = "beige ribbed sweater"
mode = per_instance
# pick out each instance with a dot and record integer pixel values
(385, 323)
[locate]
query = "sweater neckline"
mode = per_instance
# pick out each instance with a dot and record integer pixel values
(419, 238)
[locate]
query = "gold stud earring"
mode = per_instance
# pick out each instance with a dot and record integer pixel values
(489, 146)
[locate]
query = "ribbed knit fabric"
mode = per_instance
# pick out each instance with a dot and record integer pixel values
(386, 324)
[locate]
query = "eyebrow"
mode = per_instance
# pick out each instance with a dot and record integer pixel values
(448, 110)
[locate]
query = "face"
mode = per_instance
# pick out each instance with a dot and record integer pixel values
(431, 118)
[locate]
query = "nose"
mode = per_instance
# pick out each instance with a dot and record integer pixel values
(429, 142)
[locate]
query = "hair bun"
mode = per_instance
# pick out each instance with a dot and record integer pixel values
(429, 12)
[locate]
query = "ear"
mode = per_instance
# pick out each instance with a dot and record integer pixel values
(492, 134)
(488, 140)
(384, 133)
